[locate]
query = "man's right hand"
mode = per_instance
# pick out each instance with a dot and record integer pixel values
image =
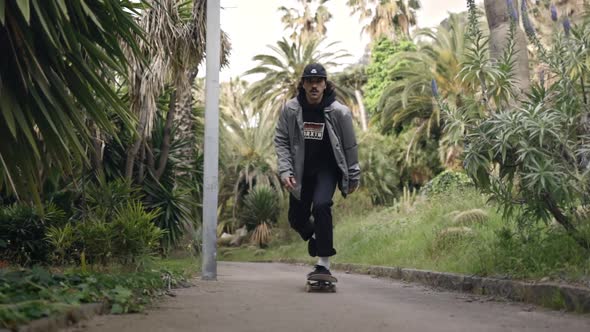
(289, 183)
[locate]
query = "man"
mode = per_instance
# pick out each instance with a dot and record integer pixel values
(317, 150)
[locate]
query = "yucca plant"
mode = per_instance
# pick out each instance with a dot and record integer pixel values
(260, 211)
(176, 217)
(176, 188)
(57, 70)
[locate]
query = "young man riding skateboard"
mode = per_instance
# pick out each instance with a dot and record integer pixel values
(316, 149)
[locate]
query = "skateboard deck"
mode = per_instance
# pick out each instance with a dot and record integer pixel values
(321, 283)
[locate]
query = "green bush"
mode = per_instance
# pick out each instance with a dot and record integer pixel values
(445, 182)
(95, 240)
(62, 239)
(131, 235)
(134, 233)
(103, 198)
(22, 233)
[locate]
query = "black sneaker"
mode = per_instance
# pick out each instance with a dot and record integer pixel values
(312, 248)
(319, 270)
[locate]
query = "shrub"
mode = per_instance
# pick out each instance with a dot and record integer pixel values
(102, 199)
(446, 181)
(134, 233)
(22, 233)
(131, 235)
(62, 239)
(95, 238)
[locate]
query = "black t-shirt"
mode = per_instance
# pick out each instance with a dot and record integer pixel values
(318, 148)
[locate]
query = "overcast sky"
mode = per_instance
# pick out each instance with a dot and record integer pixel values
(254, 24)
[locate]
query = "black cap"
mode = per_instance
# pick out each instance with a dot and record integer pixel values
(314, 70)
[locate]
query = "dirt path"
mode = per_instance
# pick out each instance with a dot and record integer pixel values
(271, 297)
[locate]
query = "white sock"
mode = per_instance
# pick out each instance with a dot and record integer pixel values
(313, 236)
(325, 262)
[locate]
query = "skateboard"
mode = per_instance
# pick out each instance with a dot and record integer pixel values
(321, 283)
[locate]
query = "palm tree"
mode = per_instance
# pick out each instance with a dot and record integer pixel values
(174, 47)
(57, 71)
(282, 70)
(406, 15)
(304, 23)
(248, 158)
(408, 102)
(184, 118)
(386, 17)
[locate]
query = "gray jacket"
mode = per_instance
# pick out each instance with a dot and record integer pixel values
(290, 145)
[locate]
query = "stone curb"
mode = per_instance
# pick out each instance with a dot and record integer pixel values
(550, 295)
(63, 320)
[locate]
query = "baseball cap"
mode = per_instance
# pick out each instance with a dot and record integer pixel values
(314, 70)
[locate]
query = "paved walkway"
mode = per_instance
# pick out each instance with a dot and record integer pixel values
(272, 297)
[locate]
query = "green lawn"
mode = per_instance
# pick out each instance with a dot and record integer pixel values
(429, 235)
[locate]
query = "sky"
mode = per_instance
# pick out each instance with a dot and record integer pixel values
(254, 24)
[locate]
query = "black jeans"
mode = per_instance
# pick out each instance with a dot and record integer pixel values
(316, 199)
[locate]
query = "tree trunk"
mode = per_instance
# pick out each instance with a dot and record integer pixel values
(359, 100)
(499, 24)
(141, 172)
(184, 116)
(565, 222)
(165, 148)
(97, 149)
(134, 149)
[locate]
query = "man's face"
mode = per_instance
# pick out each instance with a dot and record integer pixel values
(314, 89)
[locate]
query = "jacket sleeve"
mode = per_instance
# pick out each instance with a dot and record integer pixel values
(349, 144)
(283, 146)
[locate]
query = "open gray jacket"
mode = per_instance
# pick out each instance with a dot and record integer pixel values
(290, 144)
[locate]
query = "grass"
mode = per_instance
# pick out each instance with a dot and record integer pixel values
(433, 234)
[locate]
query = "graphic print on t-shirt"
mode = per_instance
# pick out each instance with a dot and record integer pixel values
(312, 130)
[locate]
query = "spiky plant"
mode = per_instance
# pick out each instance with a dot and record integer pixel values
(57, 70)
(261, 210)
(261, 235)
(261, 205)
(533, 155)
